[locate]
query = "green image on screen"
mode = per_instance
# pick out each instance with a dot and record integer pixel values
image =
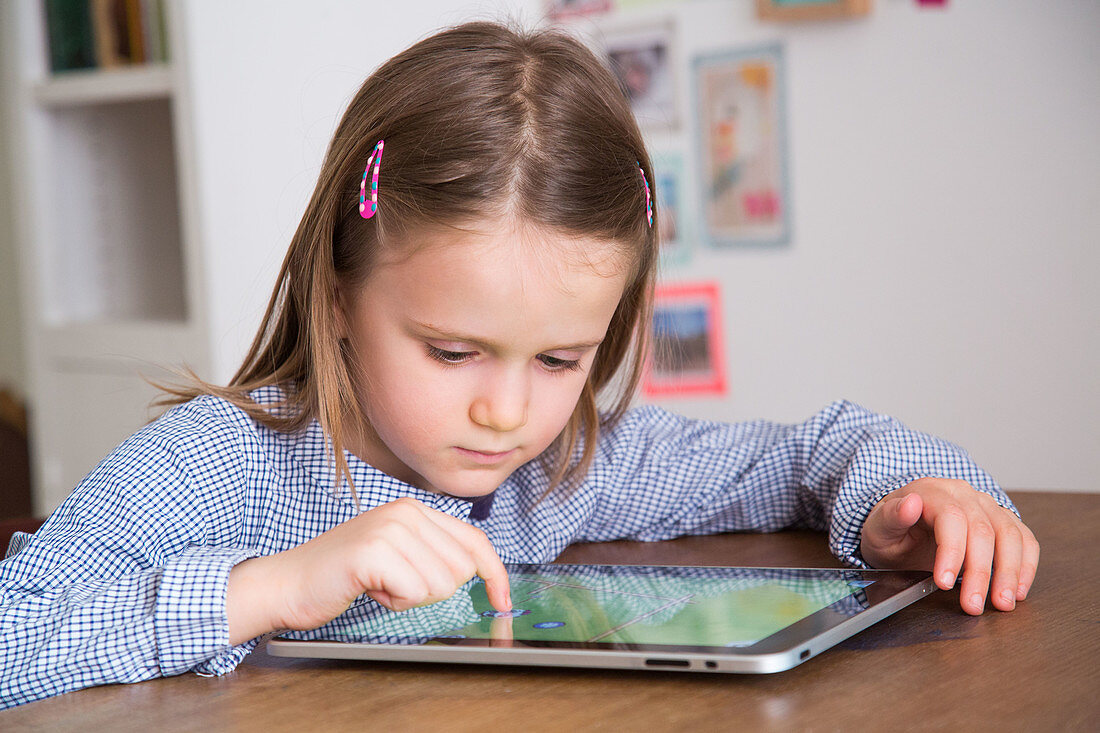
(620, 604)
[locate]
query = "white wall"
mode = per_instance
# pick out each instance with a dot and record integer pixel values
(945, 174)
(946, 205)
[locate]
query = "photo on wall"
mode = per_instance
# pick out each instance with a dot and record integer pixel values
(643, 57)
(565, 9)
(673, 219)
(798, 11)
(742, 163)
(686, 352)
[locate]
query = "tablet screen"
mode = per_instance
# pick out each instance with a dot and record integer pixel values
(620, 606)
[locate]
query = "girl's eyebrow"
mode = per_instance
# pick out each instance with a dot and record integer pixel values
(489, 345)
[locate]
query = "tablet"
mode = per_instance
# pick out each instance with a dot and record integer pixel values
(692, 619)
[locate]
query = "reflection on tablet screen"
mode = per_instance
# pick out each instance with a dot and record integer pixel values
(714, 607)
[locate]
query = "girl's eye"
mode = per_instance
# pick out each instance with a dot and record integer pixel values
(449, 357)
(555, 364)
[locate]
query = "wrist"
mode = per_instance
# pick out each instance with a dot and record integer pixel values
(252, 597)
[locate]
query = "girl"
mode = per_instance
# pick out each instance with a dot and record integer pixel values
(473, 271)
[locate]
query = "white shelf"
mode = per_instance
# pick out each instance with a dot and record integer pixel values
(111, 273)
(105, 86)
(111, 239)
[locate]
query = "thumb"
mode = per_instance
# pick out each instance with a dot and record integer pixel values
(898, 515)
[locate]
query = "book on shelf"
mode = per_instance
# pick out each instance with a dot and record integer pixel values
(69, 33)
(105, 34)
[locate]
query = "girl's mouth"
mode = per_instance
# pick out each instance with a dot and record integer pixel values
(484, 458)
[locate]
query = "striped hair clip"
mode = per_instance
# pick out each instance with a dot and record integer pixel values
(648, 199)
(375, 158)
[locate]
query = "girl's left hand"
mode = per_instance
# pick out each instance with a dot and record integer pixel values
(946, 525)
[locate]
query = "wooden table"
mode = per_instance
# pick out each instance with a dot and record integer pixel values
(929, 667)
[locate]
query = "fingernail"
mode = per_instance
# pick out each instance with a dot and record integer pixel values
(1021, 592)
(976, 601)
(1009, 597)
(947, 580)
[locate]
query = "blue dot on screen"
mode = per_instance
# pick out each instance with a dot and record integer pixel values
(549, 625)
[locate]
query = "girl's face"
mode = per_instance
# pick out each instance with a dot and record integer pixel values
(470, 352)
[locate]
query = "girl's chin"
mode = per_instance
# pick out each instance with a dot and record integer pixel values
(459, 483)
(467, 492)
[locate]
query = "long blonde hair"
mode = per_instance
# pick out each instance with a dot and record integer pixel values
(477, 120)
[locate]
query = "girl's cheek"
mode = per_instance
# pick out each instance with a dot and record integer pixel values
(562, 404)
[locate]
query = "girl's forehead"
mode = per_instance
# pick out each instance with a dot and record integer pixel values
(522, 291)
(536, 251)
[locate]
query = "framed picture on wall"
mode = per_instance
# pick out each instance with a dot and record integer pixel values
(643, 58)
(686, 353)
(800, 10)
(673, 217)
(563, 9)
(742, 158)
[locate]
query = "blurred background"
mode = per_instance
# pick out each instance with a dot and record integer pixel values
(898, 206)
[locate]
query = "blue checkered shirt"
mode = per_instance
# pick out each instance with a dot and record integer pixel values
(127, 579)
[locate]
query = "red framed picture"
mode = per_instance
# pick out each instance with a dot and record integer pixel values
(686, 351)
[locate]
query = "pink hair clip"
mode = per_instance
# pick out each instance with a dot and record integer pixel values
(648, 200)
(376, 159)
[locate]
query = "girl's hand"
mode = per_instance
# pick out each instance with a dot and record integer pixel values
(402, 554)
(945, 525)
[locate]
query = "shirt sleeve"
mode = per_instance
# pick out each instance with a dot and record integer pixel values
(660, 475)
(127, 579)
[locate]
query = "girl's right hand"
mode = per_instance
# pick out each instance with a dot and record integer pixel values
(402, 554)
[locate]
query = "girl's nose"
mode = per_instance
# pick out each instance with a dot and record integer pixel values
(502, 405)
